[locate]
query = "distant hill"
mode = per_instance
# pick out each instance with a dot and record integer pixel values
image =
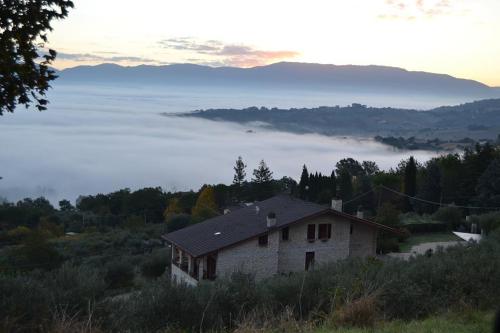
(477, 120)
(303, 76)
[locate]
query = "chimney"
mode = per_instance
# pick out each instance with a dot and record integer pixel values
(359, 213)
(337, 205)
(271, 220)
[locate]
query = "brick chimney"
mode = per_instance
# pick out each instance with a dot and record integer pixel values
(271, 220)
(359, 213)
(337, 205)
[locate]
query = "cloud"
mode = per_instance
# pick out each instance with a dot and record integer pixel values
(413, 9)
(87, 57)
(217, 52)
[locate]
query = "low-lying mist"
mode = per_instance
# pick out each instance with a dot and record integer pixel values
(101, 139)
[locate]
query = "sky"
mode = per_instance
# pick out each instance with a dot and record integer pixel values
(455, 37)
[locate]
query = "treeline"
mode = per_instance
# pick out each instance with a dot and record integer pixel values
(468, 179)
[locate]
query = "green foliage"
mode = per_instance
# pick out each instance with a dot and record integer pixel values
(205, 207)
(388, 215)
(35, 252)
(18, 234)
(177, 222)
(155, 265)
(488, 222)
(262, 179)
(451, 216)
(25, 72)
(345, 185)
(488, 185)
(119, 274)
(239, 172)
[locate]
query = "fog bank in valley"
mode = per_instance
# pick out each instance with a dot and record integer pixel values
(101, 139)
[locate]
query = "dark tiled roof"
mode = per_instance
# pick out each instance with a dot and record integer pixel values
(225, 230)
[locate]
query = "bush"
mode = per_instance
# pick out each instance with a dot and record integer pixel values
(74, 288)
(119, 274)
(451, 216)
(155, 265)
(23, 303)
(360, 313)
(36, 252)
(488, 222)
(18, 234)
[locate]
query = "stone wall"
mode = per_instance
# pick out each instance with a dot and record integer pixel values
(250, 257)
(363, 240)
(292, 253)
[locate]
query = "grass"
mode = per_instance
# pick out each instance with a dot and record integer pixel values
(474, 322)
(430, 237)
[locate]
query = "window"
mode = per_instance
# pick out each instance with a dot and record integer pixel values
(309, 260)
(311, 232)
(284, 233)
(352, 229)
(325, 231)
(263, 240)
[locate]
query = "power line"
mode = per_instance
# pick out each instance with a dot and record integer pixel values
(434, 202)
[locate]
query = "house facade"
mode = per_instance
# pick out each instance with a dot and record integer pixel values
(275, 236)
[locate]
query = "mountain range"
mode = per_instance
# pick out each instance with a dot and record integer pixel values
(287, 75)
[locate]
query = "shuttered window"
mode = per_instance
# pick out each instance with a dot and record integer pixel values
(311, 232)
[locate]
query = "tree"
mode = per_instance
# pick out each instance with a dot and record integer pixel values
(350, 165)
(430, 188)
(205, 207)
(263, 177)
(25, 74)
(65, 206)
(370, 168)
(345, 185)
(488, 186)
(410, 181)
(262, 174)
(239, 172)
(174, 208)
(304, 183)
(388, 215)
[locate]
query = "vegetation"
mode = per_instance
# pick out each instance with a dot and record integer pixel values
(102, 261)
(457, 127)
(24, 71)
(348, 293)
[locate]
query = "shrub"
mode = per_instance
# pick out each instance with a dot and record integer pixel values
(119, 274)
(23, 303)
(360, 312)
(155, 265)
(73, 288)
(36, 252)
(18, 234)
(451, 216)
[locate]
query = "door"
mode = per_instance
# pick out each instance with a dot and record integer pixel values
(309, 260)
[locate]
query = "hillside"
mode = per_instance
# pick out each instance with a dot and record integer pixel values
(287, 75)
(477, 120)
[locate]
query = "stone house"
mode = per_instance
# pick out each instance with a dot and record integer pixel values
(275, 236)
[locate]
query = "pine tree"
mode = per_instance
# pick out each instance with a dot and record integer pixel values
(239, 172)
(262, 178)
(262, 174)
(304, 183)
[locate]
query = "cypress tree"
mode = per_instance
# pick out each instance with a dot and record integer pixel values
(410, 181)
(304, 183)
